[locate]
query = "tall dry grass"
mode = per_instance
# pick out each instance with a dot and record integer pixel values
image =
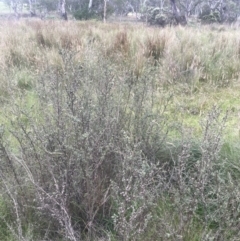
(182, 55)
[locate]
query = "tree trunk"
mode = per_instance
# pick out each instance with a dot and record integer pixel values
(14, 6)
(174, 8)
(90, 4)
(180, 19)
(32, 8)
(63, 9)
(105, 11)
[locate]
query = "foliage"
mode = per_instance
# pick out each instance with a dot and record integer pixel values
(161, 13)
(110, 132)
(156, 17)
(84, 14)
(218, 15)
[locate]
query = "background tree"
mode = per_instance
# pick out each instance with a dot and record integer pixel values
(157, 11)
(62, 6)
(32, 7)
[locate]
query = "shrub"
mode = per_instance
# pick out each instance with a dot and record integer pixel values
(84, 150)
(84, 14)
(156, 17)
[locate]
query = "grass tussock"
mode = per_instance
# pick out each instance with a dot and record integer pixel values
(155, 47)
(121, 42)
(113, 132)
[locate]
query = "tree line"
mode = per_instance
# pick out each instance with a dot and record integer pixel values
(153, 11)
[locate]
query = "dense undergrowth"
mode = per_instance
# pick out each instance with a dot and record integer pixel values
(119, 132)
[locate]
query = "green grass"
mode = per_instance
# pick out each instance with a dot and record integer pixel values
(191, 108)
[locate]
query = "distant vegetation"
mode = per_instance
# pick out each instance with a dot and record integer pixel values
(154, 12)
(119, 132)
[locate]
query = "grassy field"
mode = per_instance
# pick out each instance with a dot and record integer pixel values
(119, 131)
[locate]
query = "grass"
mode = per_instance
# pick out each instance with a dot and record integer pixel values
(123, 105)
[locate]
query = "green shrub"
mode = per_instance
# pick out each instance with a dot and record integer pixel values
(85, 14)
